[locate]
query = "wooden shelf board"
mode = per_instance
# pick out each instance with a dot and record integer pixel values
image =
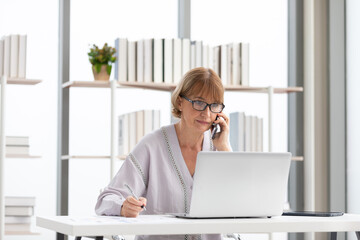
(67, 157)
(170, 87)
(21, 233)
(297, 158)
(23, 81)
(90, 84)
(21, 156)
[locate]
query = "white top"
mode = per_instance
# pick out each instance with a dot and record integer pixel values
(156, 170)
(158, 224)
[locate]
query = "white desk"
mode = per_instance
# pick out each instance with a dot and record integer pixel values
(163, 224)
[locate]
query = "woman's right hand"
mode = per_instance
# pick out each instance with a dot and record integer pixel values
(132, 207)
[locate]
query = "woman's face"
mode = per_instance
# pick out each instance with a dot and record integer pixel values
(199, 121)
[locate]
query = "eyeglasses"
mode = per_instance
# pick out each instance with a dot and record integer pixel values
(201, 106)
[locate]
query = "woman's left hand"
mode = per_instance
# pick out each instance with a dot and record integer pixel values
(221, 140)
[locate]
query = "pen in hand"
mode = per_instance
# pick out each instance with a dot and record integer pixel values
(133, 194)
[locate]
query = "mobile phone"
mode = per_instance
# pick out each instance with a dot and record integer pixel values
(215, 128)
(313, 214)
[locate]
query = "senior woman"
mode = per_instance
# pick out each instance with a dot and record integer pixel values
(160, 168)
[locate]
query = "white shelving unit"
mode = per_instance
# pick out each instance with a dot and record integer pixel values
(4, 82)
(113, 85)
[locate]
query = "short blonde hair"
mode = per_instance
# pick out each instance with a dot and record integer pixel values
(198, 81)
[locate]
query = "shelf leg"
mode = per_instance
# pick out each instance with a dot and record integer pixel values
(112, 129)
(2, 156)
(270, 111)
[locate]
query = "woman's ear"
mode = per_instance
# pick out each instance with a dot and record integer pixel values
(179, 102)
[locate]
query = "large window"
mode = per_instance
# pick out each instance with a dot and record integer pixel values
(97, 22)
(263, 24)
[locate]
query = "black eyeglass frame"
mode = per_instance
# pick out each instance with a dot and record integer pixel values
(207, 104)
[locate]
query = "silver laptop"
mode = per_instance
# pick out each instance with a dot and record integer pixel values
(238, 184)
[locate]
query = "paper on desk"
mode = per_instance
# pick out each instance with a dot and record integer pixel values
(115, 219)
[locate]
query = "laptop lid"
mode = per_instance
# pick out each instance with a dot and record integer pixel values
(239, 184)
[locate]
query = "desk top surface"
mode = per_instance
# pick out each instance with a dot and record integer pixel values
(165, 224)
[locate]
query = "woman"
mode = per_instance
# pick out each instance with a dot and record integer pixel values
(161, 166)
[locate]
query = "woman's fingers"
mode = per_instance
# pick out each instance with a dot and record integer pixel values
(132, 207)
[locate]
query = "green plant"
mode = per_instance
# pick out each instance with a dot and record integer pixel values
(104, 56)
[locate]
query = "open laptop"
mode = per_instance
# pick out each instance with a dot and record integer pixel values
(239, 184)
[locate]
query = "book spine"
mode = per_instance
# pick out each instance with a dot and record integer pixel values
(185, 56)
(7, 43)
(14, 55)
(22, 56)
(177, 60)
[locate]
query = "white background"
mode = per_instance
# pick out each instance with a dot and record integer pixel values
(32, 110)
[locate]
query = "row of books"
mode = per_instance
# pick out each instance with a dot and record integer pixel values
(246, 132)
(18, 213)
(17, 145)
(133, 126)
(13, 56)
(167, 60)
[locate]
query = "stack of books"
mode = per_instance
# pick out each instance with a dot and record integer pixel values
(167, 60)
(246, 133)
(13, 56)
(134, 126)
(18, 214)
(18, 145)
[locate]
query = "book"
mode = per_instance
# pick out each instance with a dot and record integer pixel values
(6, 59)
(121, 59)
(132, 130)
(12, 201)
(123, 137)
(198, 53)
(1, 57)
(139, 125)
(248, 127)
(17, 140)
(177, 62)
(17, 149)
(14, 55)
(205, 56)
(17, 219)
(140, 61)
(235, 67)
(253, 133)
(19, 211)
(156, 119)
(148, 121)
(192, 55)
(131, 61)
(158, 61)
(223, 64)
(22, 56)
(216, 59)
(168, 61)
(237, 133)
(245, 64)
(259, 135)
(185, 58)
(17, 227)
(148, 60)
(229, 64)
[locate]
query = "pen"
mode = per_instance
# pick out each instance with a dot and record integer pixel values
(133, 194)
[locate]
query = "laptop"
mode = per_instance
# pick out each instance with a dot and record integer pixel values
(239, 184)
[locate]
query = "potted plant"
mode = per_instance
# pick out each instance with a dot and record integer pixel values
(101, 60)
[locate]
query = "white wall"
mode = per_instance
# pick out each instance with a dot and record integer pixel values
(353, 113)
(31, 110)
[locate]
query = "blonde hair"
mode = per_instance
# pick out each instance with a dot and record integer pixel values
(198, 81)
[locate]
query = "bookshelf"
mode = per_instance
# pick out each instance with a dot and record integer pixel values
(3, 155)
(113, 84)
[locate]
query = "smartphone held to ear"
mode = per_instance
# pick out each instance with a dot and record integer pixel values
(215, 128)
